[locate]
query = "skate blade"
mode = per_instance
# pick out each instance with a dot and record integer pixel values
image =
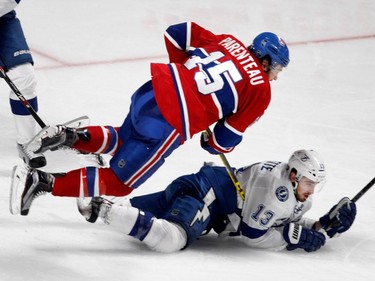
(79, 122)
(19, 175)
(83, 207)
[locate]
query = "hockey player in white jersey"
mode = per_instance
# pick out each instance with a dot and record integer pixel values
(17, 62)
(277, 196)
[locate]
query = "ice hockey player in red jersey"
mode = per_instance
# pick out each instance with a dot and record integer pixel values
(210, 80)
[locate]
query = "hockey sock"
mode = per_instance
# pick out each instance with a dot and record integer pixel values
(103, 139)
(23, 77)
(90, 182)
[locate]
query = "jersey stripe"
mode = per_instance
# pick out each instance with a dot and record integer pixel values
(173, 42)
(218, 105)
(113, 140)
(92, 181)
(188, 35)
(234, 91)
(105, 140)
(154, 159)
(232, 129)
(182, 102)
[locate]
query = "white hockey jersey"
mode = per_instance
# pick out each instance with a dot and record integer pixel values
(269, 204)
(6, 6)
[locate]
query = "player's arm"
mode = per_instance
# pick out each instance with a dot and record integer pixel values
(180, 38)
(7, 5)
(262, 238)
(292, 236)
(222, 140)
(228, 132)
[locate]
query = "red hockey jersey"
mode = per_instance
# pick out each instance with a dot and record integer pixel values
(209, 78)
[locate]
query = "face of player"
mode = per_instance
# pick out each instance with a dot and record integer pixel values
(305, 188)
(273, 71)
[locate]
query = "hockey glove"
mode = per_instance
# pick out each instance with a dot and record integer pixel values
(206, 145)
(340, 218)
(300, 237)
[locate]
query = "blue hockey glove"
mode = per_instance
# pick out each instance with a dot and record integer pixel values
(300, 237)
(206, 145)
(340, 218)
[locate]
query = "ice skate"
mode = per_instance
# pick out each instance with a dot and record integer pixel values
(34, 160)
(98, 207)
(54, 137)
(27, 185)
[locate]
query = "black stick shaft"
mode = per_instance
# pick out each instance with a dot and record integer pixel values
(231, 174)
(363, 190)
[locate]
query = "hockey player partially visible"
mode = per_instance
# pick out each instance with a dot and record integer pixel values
(277, 196)
(272, 215)
(17, 62)
(210, 80)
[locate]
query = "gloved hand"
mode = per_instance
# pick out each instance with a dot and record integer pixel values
(205, 144)
(300, 237)
(340, 218)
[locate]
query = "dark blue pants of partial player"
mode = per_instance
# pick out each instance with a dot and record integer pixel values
(14, 51)
(196, 202)
(147, 139)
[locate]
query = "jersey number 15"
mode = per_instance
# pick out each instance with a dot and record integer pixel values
(209, 79)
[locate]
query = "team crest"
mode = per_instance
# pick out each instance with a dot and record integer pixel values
(281, 42)
(282, 193)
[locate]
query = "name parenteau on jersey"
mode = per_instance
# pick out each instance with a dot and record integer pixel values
(244, 58)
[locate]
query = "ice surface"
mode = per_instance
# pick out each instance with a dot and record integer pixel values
(91, 55)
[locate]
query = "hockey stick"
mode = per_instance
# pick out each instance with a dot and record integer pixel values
(363, 190)
(334, 221)
(22, 98)
(78, 122)
(229, 169)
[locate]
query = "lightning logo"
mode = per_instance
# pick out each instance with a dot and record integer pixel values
(201, 215)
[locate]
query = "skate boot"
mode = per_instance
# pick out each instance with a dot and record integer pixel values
(35, 183)
(98, 207)
(56, 137)
(34, 160)
(52, 138)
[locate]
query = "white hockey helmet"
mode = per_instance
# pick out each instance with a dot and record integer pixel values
(308, 163)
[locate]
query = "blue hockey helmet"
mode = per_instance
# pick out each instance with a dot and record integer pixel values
(268, 43)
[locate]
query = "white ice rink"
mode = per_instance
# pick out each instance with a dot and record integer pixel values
(91, 55)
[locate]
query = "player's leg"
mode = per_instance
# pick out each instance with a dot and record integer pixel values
(185, 203)
(158, 234)
(147, 139)
(16, 59)
(91, 139)
(87, 182)
(184, 221)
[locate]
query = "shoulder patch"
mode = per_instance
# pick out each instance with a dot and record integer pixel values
(282, 193)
